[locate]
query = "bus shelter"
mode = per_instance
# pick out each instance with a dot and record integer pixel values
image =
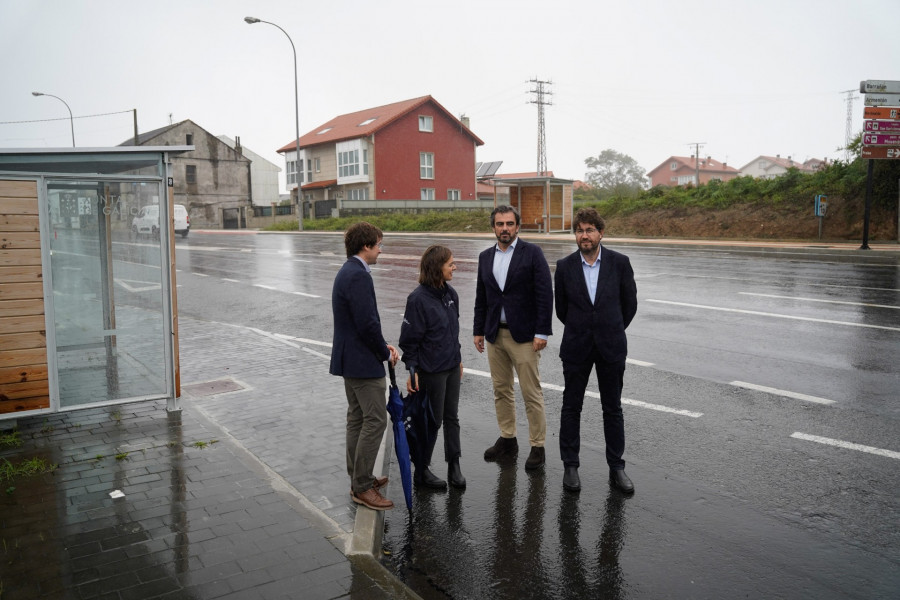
(544, 203)
(88, 313)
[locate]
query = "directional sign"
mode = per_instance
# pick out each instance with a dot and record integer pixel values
(881, 152)
(881, 113)
(882, 100)
(883, 126)
(872, 139)
(878, 86)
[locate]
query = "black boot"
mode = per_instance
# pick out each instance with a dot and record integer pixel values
(454, 474)
(502, 447)
(424, 477)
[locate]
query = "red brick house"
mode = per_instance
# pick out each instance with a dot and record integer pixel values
(414, 150)
(683, 170)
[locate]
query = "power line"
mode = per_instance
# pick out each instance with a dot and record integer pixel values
(697, 146)
(539, 93)
(848, 130)
(121, 112)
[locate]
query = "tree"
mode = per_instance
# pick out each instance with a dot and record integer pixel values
(615, 174)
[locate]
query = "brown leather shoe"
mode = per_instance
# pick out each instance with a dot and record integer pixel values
(373, 499)
(380, 482)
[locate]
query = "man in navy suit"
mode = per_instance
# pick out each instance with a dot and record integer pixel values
(596, 299)
(358, 354)
(514, 313)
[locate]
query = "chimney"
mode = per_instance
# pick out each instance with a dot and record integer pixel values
(465, 121)
(237, 145)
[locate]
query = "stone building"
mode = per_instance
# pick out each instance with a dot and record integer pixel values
(212, 181)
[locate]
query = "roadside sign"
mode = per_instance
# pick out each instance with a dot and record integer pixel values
(882, 100)
(880, 152)
(883, 112)
(873, 139)
(879, 86)
(881, 126)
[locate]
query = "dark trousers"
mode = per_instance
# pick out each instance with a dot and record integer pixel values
(609, 379)
(443, 395)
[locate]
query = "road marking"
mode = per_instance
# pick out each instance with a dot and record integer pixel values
(200, 274)
(629, 401)
(843, 444)
(231, 280)
(821, 300)
(282, 336)
(768, 314)
(639, 363)
(148, 285)
(275, 289)
(777, 392)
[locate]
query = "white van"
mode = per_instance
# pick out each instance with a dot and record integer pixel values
(147, 221)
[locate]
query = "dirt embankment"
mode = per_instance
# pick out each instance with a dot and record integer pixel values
(844, 221)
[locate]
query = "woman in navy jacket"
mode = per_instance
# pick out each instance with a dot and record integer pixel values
(429, 340)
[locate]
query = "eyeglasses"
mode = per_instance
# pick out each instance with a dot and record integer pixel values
(588, 231)
(380, 245)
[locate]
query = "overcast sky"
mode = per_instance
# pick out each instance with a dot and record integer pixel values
(645, 78)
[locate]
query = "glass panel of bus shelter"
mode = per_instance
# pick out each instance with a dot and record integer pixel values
(108, 292)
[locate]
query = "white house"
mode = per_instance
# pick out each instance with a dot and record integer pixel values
(263, 174)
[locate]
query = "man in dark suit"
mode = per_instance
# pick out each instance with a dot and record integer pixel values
(596, 299)
(514, 312)
(358, 354)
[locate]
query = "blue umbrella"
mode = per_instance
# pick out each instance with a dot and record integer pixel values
(421, 427)
(401, 447)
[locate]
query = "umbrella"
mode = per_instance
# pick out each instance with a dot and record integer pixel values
(395, 408)
(421, 427)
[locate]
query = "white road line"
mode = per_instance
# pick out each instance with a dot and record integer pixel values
(820, 300)
(785, 393)
(638, 363)
(768, 314)
(275, 289)
(629, 401)
(847, 445)
(296, 339)
(231, 280)
(199, 274)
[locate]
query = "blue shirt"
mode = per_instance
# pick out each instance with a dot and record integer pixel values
(591, 274)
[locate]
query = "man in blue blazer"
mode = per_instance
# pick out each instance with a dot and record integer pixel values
(358, 353)
(514, 313)
(596, 299)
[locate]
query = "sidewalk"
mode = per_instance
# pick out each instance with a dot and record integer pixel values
(243, 494)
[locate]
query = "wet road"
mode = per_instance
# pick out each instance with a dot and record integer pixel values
(761, 423)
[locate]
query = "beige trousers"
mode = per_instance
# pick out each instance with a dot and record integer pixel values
(504, 356)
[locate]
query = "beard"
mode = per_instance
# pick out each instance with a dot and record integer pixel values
(588, 247)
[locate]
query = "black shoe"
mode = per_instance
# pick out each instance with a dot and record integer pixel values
(502, 447)
(535, 458)
(455, 476)
(424, 477)
(620, 480)
(571, 481)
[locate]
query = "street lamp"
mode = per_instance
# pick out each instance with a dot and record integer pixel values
(71, 119)
(298, 165)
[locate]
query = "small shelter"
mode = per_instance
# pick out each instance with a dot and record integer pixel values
(544, 202)
(87, 311)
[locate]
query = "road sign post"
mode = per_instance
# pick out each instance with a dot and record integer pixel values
(821, 207)
(882, 137)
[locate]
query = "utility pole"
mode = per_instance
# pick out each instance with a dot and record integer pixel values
(541, 102)
(848, 130)
(697, 146)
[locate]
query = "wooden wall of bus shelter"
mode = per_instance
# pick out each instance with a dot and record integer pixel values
(543, 205)
(24, 382)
